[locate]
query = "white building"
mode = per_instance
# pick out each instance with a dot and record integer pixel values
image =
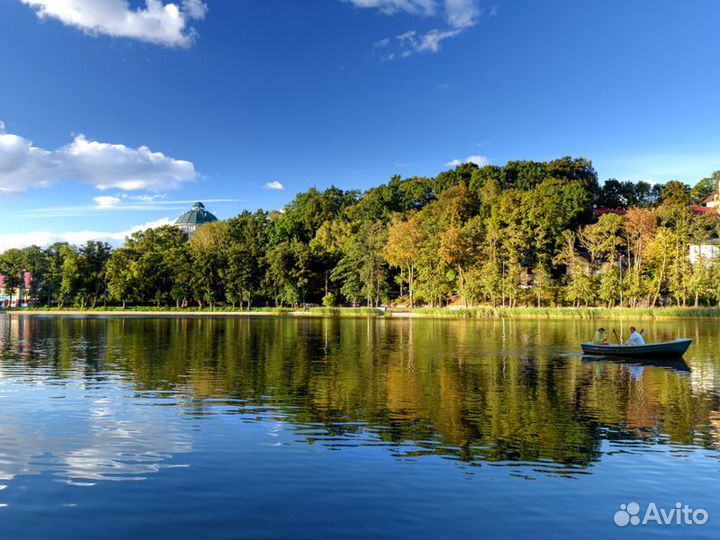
(706, 251)
(194, 218)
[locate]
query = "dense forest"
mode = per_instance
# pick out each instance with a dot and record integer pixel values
(529, 233)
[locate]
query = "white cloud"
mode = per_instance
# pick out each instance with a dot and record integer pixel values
(417, 7)
(480, 161)
(156, 22)
(412, 43)
(195, 9)
(107, 166)
(121, 204)
(459, 15)
(143, 198)
(274, 185)
(45, 238)
(107, 201)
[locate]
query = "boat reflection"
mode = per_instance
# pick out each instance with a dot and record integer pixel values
(674, 364)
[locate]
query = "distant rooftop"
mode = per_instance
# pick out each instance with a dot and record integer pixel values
(196, 216)
(709, 210)
(602, 211)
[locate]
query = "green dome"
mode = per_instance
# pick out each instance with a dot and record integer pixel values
(197, 216)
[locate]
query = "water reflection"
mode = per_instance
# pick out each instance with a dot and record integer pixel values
(65, 414)
(636, 366)
(115, 399)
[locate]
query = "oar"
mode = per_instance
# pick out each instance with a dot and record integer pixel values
(617, 337)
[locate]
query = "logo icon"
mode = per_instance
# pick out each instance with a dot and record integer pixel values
(680, 514)
(628, 514)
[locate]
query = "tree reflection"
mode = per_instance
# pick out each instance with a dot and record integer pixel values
(494, 391)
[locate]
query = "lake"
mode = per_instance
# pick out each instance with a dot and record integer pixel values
(280, 427)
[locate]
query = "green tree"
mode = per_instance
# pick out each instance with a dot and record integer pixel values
(36, 264)
(604, 238)
(542, 284)
(700, 281)
(12, 268)
(152, 268)
(71, 272)
(610, 288)
(705, 188)
(362, 270)
(122, 276)
(240, 275)
(404, 244)
(289, 272)
(581, 287)
(91, 286)
(52, 278)
(207, 252)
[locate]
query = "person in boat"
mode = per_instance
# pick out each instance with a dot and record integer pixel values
(635, 338)
(600, 338)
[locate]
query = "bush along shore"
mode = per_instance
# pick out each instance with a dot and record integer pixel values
(573, 313)
(438, 313)
(524, 234)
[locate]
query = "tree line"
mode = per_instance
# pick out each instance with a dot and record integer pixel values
(527, 233)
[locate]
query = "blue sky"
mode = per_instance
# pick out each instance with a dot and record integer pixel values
(120, 114)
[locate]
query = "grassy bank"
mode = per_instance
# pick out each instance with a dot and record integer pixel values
(573, 313)
(471, 313)
(191, 311)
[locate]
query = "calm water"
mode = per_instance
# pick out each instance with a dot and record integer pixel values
(352, 428)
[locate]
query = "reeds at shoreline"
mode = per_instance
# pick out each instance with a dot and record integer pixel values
(483, 312)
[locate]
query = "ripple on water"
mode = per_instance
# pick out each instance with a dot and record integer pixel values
(419, 423)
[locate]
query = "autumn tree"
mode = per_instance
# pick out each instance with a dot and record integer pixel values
(402, 250)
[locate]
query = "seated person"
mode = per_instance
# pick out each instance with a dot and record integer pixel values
(635, 338)
(600, 338)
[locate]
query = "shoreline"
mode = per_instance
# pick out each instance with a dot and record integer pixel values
(662, 313)
(179, 313)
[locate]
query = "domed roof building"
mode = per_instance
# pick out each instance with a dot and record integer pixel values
(192, 219)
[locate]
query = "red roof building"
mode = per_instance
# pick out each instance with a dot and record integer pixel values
(704, 210)
(602, 211)
(5, 298)
(27, 284)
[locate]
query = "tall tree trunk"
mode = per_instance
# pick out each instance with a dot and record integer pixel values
(661, 275)
(462, 285)
(411, 285)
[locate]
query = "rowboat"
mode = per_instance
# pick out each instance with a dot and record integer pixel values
(668, 349)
